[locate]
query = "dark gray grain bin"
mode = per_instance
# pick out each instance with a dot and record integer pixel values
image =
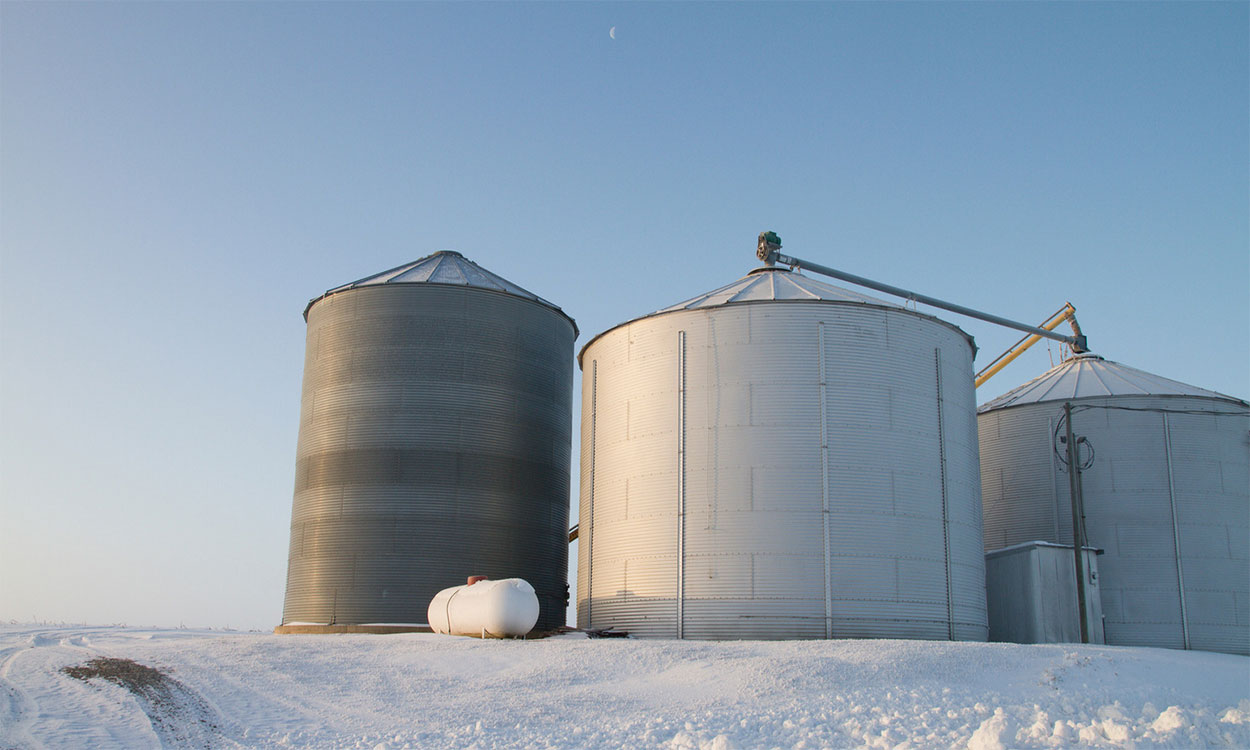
(434, 444)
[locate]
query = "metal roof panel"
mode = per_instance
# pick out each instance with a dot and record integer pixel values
(771, 284)
(1091, 376)
(446, 267)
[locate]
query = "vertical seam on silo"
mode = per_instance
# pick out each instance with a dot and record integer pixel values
(714, 444)
(1054, 476)
(946, 538)
(590, 527)
(1176, 529)
(824, 478)
(681, 481)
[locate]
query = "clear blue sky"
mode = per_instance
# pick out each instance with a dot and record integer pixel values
(177, 180)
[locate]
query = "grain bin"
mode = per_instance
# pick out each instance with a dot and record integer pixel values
(781, 458)
(1165, 495)
(434, 444)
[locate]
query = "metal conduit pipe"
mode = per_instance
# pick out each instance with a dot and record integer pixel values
(1067, 312)
(770, 253)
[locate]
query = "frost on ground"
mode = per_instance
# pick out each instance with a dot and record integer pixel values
(138, 688)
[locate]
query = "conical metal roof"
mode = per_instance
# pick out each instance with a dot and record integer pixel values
(1091, 376)
(771, 284)
(443, 267)
(774, 284)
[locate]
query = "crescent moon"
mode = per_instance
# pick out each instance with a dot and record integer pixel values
(612, 32)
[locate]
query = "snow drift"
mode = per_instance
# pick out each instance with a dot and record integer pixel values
(434, 691)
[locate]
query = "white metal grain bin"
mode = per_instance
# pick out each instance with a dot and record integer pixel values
(781, 458)
(1166, 496)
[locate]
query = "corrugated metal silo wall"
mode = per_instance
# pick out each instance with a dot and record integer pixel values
(711, 507)
(435, 438)
(1153, 484)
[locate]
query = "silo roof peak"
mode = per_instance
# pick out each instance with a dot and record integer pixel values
(1091, 376)
(775, 284)
(446, 267)
(772, 284)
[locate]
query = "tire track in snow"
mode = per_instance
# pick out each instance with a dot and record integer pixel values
(179, 716)
(176, 715)
(17, 709)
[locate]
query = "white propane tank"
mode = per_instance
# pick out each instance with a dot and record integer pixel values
(488, 609)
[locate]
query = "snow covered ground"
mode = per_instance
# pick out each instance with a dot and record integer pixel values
(234, 690)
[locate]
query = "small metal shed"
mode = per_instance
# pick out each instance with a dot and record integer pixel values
(1031, 594)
